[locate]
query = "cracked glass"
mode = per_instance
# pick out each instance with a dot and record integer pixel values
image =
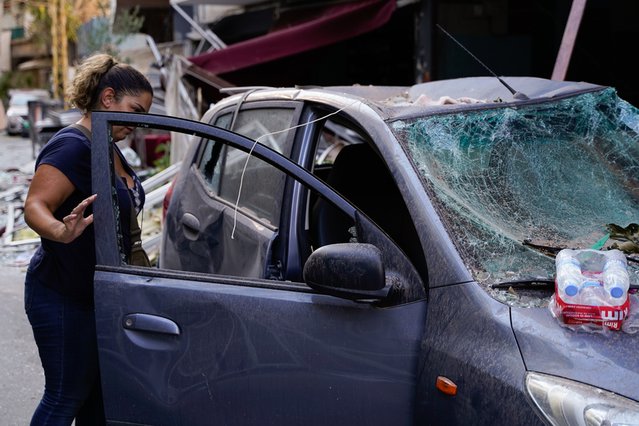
(509, 180)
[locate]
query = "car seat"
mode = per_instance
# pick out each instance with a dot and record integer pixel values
(360, 175)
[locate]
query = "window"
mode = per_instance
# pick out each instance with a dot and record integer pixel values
(230, 176)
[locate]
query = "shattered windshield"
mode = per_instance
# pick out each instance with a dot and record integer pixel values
(514, 184)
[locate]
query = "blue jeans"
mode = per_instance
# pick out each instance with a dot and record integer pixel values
(64, 331)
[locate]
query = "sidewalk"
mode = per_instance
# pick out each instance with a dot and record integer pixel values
(21, 379)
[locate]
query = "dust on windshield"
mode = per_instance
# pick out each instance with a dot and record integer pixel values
(550, 174)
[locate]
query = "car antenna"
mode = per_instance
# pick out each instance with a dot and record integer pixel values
(516, 94)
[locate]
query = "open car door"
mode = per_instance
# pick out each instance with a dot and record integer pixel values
(188, 348)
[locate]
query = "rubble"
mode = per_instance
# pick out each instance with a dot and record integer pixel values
(19, 242)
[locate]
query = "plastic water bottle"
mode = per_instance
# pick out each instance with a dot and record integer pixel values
(569, 276)
(593, 294)
(616, 280)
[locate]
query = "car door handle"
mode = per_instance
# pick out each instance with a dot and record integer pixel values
(191, 226)
(150, 323)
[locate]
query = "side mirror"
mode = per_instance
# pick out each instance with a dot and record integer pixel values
(351, 271)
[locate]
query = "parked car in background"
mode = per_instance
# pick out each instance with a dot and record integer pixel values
(18, 110)
(46, 118)
(373, 255)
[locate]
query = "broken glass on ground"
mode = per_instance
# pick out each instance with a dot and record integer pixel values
(18, 242)
(550, 173)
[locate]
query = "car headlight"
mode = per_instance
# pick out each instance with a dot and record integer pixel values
(565, 402)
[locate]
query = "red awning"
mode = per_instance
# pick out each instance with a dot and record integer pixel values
(336, 23)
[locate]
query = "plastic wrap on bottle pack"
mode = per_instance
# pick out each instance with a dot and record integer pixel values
(591, 291)
(631, 322)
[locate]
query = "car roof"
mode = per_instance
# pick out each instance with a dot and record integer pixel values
(442, 96)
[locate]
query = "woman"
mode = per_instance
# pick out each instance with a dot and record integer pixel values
(59, 280)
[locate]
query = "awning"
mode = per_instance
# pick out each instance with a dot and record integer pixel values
(334, 24)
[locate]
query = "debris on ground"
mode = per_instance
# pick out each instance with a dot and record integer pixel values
(18, 242)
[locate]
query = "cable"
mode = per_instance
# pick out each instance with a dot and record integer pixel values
(248, 157)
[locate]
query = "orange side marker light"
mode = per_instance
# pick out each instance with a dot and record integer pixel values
(446, 386)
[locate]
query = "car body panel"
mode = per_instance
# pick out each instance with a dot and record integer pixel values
(469, 340)
(253, 355)
(584, 357)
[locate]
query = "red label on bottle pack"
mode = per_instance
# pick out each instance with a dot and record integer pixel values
(606, 316)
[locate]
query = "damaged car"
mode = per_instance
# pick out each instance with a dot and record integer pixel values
(375, 255)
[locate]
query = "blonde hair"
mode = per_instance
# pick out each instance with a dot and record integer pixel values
(100, 71)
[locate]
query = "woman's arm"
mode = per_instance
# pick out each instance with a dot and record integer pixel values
(48, 190)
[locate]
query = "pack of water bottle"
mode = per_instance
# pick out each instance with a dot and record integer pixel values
(591, 288)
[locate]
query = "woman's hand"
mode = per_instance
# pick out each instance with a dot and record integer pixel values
(75, 223)
(48, 190)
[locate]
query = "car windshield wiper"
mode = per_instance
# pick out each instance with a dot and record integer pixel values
(527, 283)
(536, 284)
(547, 250)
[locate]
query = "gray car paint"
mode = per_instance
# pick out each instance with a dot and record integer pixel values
(250, 355)
(608, 361)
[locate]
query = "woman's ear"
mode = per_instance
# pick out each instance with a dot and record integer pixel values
(107, 98)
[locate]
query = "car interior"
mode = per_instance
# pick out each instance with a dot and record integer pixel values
(361, 176)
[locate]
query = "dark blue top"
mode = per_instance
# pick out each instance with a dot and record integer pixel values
(69, 268)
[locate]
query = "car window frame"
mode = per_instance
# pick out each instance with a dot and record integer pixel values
(293, 229)
(244, 106)
(108, 256)
(318, 115)
(102, 177)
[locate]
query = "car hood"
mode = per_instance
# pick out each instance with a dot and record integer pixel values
(606, 360)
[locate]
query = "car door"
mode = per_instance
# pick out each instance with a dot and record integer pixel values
(187, 348)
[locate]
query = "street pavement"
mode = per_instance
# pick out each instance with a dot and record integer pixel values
(21, 378)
